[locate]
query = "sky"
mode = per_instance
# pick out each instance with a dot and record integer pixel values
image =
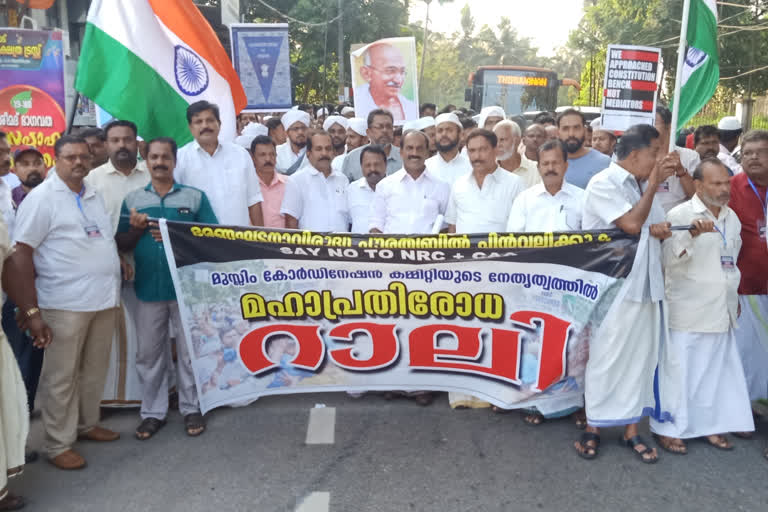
(546, 22)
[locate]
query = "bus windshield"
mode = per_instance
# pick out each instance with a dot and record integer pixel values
(516, 91)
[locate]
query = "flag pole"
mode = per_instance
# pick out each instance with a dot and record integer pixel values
(681, 51)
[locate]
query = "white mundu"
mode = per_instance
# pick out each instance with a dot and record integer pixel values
(700, 370)
(536, 210)
(483, 210)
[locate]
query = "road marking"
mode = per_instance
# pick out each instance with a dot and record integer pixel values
(322, 425)
(316, 502)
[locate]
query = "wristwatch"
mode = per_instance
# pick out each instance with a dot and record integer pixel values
(31, 312)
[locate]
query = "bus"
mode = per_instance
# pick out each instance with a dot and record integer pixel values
(516, 89)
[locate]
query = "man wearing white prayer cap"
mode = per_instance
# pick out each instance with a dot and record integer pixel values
(603, 141)
(489, 116)
(357, 136)
(336, 126)
(290, 155)
(348, 112)
(250, 132)
(449, 163)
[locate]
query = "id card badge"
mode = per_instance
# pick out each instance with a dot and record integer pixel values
(761, 229)
(92, 231)
(727, 262)
(663, 187)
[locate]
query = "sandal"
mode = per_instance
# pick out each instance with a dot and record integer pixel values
(12, 502)
(586, 438)
(633, 442)
(667, 445)
(533, 419)
(424, 399)
(743, 435)
(148, 428)
(194, 424)
(720, 442)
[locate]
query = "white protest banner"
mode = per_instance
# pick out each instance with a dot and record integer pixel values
(384, 76)
(261, 58)
(504, 317)
(630, 87)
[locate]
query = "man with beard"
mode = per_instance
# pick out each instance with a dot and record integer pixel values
(123, 172)
(97, 144)
(534, 136)
(356, 137)
(508, 133)
(361, 192)
(583, 162)
(272, 183)
(64, 241)
(490, 117)
(700, 374)
(623, 353)
(410, 201)
(679, 187)
(223, 170)
(336, 126)
(448, 164)
(380, 131)
(706, 142)
(316, 198)
(749, 197)
(291, 154)
(156, 305)
(603, 141)
(29, 167)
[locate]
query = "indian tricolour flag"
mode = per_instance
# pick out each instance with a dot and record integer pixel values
(147, 60)
(701, 67)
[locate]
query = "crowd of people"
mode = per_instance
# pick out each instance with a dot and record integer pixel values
(80, 243)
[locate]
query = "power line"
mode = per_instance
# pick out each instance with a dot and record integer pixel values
(744, 74)
(294, 20)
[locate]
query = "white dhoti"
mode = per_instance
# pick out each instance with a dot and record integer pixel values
(122, 388)
(623, 355)
(752, 342)
(702, 384)
(14, 416)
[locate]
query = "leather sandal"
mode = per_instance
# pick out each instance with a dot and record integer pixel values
(148, 428)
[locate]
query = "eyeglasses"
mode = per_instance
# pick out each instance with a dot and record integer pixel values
(85, 157)
(759, 153)
(390, 71)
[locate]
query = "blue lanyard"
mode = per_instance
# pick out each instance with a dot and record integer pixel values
(764, 204)
(722, 234)
(79, 203)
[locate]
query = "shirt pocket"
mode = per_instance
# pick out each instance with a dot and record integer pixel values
(430, 208)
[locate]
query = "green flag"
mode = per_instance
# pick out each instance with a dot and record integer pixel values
(701, 67)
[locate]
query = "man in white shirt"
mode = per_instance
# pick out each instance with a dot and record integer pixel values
(64, 238)
(623, 354)
(291, 155)
(356, 137)
(316, 197)
(490, 117)
(535, 135)
(449, 163)
(380, 131)
(336, 126)
(360, 193)
(603, 141)
(410, 200)
(509, 135)
(552, 205)
(730, 131)
(679, 187)
(700, 373)
(223, 170)
(481, 200)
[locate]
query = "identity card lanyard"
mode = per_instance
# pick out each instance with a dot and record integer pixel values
(722, 234)
(763, 202)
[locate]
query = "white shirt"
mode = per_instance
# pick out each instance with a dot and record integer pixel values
(536, 210)
(403, 205)
(528, 172)
(450, 171)
(228, 178)
(337, 164)
(727, 158)
(483, 210)
(12, 180)
(286, 157)
(317, 202)
(7, 208)
(702, 294)
(359, 199)
(74, 271)
(112, 185)
(609, 195)
(671, 192)
(364, 104)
